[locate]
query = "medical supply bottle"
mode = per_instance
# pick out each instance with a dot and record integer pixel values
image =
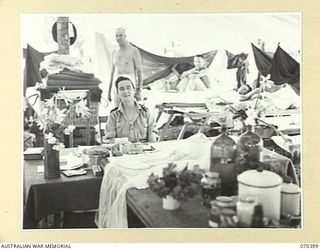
(249, 145)
(222, 156)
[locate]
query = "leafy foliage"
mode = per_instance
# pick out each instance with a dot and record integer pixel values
(181, 185)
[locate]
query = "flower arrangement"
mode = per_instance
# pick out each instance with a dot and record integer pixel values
(52, 119)
(180, 185)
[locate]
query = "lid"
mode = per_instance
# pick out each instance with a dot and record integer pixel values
(220, 204)
(247, 198)
(211, 175)
(228, 212)
(290, 188)
(259, 179)
(224, 199)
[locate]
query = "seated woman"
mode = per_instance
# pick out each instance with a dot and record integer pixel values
(195, 79)
(130, 119)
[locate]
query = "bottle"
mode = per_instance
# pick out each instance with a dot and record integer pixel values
(248, 145)
(257, 218)
(222, 149)
(222, 157)
(245, 209)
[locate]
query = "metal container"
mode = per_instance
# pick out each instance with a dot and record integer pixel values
(266, 186)
(290, 199)
(97, 156)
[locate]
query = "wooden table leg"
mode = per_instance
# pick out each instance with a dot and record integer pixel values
(57, 220)
(201, 129)
(183, 130)
(159, 115)
(166, 126)
(88, 132)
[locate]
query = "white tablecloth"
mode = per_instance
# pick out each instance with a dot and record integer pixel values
(133, 170)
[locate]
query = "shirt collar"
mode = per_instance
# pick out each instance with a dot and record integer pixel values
(121, 108)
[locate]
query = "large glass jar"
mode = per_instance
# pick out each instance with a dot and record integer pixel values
(249, 145)
(223, 152)
(223, 149)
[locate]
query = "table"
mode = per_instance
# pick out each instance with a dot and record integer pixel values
(148, 208)
(43, 197)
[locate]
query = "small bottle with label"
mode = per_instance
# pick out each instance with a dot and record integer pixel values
(245, 209)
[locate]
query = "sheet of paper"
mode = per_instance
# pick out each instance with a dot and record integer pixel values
(40, 169)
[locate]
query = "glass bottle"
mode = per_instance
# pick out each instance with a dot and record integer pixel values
(245, 209)
(222, 156)
(257, 217)
(249, 145)
(222, 149)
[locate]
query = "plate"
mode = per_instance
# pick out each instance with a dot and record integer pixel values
(170, 91)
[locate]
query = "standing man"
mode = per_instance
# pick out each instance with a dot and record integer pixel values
(126, 60)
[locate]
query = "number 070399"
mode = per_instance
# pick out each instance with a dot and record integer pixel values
(310, 246)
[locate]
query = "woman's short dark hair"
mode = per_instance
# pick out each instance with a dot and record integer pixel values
(123, 78)
(249, 89)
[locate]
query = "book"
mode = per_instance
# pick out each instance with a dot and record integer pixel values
(33, 153)
(74, 172)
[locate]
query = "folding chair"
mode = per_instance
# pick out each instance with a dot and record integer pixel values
(101, 119)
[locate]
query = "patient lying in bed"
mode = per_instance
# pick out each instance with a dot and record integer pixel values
(270, 97)
(195, 79)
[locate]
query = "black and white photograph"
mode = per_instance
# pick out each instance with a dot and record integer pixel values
(162, 121)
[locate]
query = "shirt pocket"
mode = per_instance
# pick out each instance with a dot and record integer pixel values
(120, 128)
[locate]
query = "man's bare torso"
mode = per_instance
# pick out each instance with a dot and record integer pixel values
(124, 61)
